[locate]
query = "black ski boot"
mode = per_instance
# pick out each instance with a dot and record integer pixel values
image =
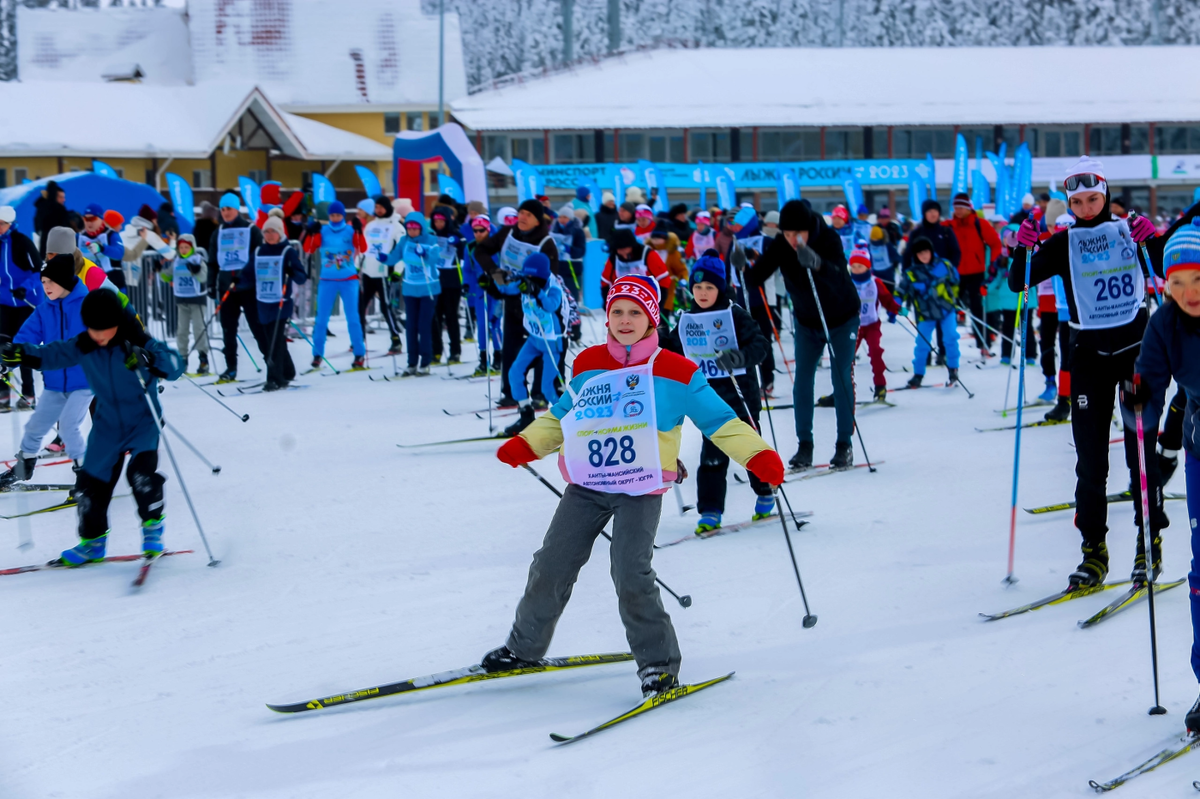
(503, 659)
(1192, 719)
(506, 401)
(316, 362)
(1138, 575)
(658, 682)
(397, 348)
(203, 370)
(359, 362)
(880, 393)
(1060, 412)
(77, 468)
(1094, 567)
(22, 469)
(524, 421)
(951, 377)
(843, 456)
(915, 381)
(803, 458)
(825, 401)
(1168, 462)
(228, 376)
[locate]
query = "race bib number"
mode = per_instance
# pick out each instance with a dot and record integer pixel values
(185, 283)
(625, 268)
(705, 336)
(610, 434)
(1105, 275)
(448, 253)
(377, 240)
(513, 254)
(233, 248)
(268, 273)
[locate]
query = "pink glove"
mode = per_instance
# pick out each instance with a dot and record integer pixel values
(1027, 233)
(1141, 229)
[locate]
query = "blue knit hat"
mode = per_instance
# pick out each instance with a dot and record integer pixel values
(230, 200)
(1183, 248)
(536, 265)
(708, 269)
(336, 207)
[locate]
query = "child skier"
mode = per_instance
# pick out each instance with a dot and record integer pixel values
(421, 255)
(277, 268)
(873, 292)
(647, 392)
(541, 304)
(65, 394)
(121, 364)
(699, 332)
(702, 238)
(929, 283)
(338, 244)
(188, 276)
(485, 308)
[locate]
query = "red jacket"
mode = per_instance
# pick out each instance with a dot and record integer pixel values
(974, 236)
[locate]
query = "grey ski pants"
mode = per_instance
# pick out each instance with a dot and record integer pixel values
(580, 517)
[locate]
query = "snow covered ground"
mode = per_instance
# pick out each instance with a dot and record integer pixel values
(348, 562)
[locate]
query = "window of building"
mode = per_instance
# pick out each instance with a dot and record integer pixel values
(666, 147)
(415, 121)
(609, 143)
(1176, 139)
(20, 175)
(844, 144)
(919, 142)
(986, 135)
(574, 148)
(150, 177)
(1104, 140)
(1139, 139)
(792, 145)
(709, 145)
(306, 181)
(391, 123)
(202, 179)
(3, 178)
(1046, 142)
(632, 146)
(531, 149)
(120, 170)
(259, 176)
(495, 147)
(879, 143)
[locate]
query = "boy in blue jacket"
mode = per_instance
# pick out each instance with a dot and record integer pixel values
(541, 302)
(65, 396)
(930, 284)
(121, 364)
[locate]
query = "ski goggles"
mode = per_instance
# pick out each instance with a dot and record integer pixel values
(1083, 182)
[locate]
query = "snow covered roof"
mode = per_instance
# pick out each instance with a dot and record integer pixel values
(125, 120)
(89, 44)
(848, 86)
(327, 55)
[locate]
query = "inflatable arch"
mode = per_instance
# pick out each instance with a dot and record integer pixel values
(448, 143)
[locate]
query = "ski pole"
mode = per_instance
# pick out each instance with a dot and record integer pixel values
(1158, 709)
(929, 344)
(387, 315)
(981, 322)
(245, 417)
(1023, 309)
(685, 600)
(829, 343)
(253, 362)
(1020, 361)
(189, 445)
(775, 330)
(1147, 270)
(683, 509)
(175, 466)
(309, 340)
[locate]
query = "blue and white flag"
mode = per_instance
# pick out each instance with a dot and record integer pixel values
(854, 195)
(323, 191)
(916, 198)
(181, 199)
(979, 190)
(101, 168)
(654, 184)
(250, 194)
(787, 185)
(726, 191)
(448, 186)
(958, 183)
(529, 181)
(369, 181)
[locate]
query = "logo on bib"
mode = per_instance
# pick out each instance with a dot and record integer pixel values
(720, 342)
(717, 324)
(631, 382)
(633, 408)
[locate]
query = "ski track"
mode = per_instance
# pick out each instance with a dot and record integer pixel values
(348, 562)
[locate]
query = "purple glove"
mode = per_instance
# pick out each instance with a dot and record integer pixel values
(1141, 229)
(1027, 234)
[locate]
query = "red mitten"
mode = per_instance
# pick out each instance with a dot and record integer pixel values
(767, 466)
(516, 452)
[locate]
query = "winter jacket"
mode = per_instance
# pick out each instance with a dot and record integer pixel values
(488, 251)
(680, 390)
(381, 236)
(122, 422)
(449, 238)
(976, 239)
(1171, 349)
(576, 245)
(197, 265)
(578, 203)
(294, 273)
(472, 271)
(999, 296)
(57, 320)
(541, 309)
(931, 288)
(945, 244)
(605, 219)
(752, 344)
(654, 266)
(105, 249)
(224, 277)
(882, 297)
(48, 214)
(20, 267)
(338, 247)
(676, 270)
(839, 298)
(421, 256)
(699, 242)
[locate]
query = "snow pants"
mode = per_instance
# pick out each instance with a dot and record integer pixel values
(873, 335)
(66, 408)
(1047, 333)
(810, 344)
(445, 314)
(532, 349)
(236, 303)
(95, 494)
(487, 324)
(192, 317)
(329, 291)
(711, 480)
(418, 328)
(1191, 467)
(1009, 328)
(581, 515)
(947, 327)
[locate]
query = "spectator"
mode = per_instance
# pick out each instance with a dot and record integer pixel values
(978, 243)
(50, 211)
(606, 217)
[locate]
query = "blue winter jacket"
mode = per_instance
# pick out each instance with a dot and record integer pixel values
(58, 320)
(471, 271)
(337, 252)
(19, 268)
(578, 248)
(421, 256)
(122, 422)
(1171, 348)
(112, 249)
(931, 288)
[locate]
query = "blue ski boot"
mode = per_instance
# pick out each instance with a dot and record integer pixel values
(88, 550)
(763, 507)
(152, 537)
(1051, 392)
(708, 523)
(1031, 362)
(1006, 361)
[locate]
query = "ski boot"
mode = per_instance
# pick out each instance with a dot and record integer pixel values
(825, 401)
(152, 531)
(941, 359)
(502, 659)
(655, 683)
(228, 376)
(26, 403)
(1192, 719)
(708, 522)
(1051, 391)
(843, 456)
(763, 506)
(1060, 412)
(1168, 462)
(525, 419)
(359, 362)
(915, 381)
(423, 371)
(1094, 567)
(203, 369)
(951, 377)
(88, 550)
(77, 468)
(409, 372)
(1138, 575)
(506, 401)
(22, 469)
(539, 402)
(316, 362)
(57, 446)
(453, 360)
(397, 347)
(880, 393)
(803, 458)
(1005, 361)
(437, 359)
(768, 390)
(1031, 362)
(480, 370)
(274, 385)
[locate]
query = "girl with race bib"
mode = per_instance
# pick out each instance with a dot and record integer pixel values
(618, 428)
(277, 269)
(703, 335)
(188, 275)
(1097, 261)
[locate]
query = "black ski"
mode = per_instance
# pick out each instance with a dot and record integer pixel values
(349, 371)
(70, 503)
(452, 441)
(463, 676)
(809, 474)
(1054, 599)
(658, 700)
(1035, 404)
(261, 390)
(57, 564)
(1124, 496)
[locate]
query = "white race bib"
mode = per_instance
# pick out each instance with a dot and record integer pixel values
(185, 283)
(449, 253)
(99, 258)
(706, 335)
(268, 273)
(753, 243)
(233, 248)
(513, 254)
(868, 297)
(378, 238)
(610, 435)
(1105, 275)
(563, 240)
(880, 262)
(625, 268)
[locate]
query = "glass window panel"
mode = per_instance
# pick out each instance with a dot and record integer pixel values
(1139, 139)
(1193, 140)
(1053, 144)
(658, 148)
(943, 144)
(633, 146)
(1072, 144)
(415, 121)
(391, 123)
(720, 146)
(608, 147)
(879, 142)
(902, 143)
(770, 147)
(495, 147)
(675, 149)
(746, 144)
(520, 149)
(537, 151)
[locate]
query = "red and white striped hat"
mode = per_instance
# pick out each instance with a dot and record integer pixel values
(635, 289)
